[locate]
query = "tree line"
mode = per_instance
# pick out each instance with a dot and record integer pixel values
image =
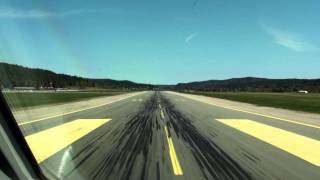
(251, 84)
(12, 75)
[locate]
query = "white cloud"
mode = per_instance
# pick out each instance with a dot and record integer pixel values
(32, 14)
(289, 40)
(190, 37)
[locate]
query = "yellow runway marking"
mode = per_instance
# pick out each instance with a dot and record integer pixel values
(303, 147)
(48, 142)
(174, 159)
(160, 106)
(71, 112)
(162, 114)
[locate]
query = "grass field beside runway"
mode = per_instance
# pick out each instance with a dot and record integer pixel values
(28, 99)
(292, 101)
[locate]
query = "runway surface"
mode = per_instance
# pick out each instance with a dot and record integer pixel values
(160, 135)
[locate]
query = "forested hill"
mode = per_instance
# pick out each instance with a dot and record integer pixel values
(16, 76)
(253, 84)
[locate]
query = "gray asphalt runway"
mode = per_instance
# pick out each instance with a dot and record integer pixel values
(157, 135)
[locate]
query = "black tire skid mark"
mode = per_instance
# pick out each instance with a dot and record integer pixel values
(135, 139)
(207, 154)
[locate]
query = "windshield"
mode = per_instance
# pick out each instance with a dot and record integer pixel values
(170, 89)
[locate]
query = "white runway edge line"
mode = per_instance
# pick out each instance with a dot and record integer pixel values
(71, 112)
(235, 109)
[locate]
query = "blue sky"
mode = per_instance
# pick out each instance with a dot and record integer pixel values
(164, 41)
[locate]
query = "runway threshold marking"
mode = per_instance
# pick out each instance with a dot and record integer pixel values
(177, 170)
(272, 117)
(48, 142)
(300, 146)
(71, 112)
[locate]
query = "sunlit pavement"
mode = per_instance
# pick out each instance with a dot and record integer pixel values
(157, 135)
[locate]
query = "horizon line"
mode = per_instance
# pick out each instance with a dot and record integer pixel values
(159, 84)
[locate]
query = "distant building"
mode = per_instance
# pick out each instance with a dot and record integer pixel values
(46, 88)
(67, 90)
(24, 89)
(303, 91)
(5, 89)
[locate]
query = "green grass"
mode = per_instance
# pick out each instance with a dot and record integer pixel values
(293, 101)
(28, 99)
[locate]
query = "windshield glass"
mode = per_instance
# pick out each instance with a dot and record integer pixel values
(170, 89)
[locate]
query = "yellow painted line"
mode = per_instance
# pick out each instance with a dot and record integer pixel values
(71, 112)
(48, 142)
(272, 117)
(160, 106)
(301, 146)
(162, 114)
(177, 170)
(259, 114)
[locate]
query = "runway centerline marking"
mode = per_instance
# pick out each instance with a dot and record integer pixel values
(177, 170)
(162, 114)
(300, 146)
(48, 142)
